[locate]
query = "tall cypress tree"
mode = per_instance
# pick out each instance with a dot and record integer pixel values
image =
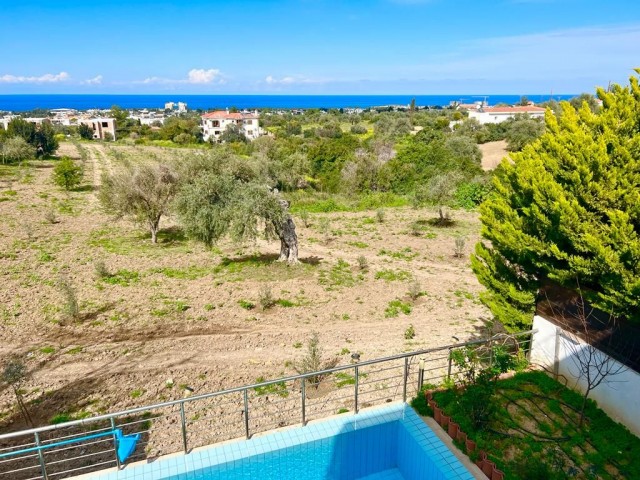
(567, 210)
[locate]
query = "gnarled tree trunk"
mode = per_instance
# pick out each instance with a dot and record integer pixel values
(288, 237)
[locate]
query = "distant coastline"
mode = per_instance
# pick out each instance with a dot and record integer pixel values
(26, 102)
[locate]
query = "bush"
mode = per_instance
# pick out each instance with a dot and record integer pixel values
(359, 129)
(71, 308)
(265, 298)
(469, 195)
(67, 174)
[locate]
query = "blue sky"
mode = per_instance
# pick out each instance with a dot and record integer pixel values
(316, 46)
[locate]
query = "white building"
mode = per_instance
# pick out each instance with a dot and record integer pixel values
(500, 114)
(102, 127)
(215, 123)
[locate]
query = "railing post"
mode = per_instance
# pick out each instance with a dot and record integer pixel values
(43, 466)
(183, 421)
(115, 443)
(404, 380)
(449, 366)
(303, 390)
(356, 389)
(420, 374)
(246, 413)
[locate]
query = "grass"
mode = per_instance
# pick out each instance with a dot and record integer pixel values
(115, 241)
(136, 393)
(47, 350)
(395, 307)
(534, 432)
(339, 276)
(343, 379)
(192, 272)
(279, 388)
(122, 277)
(246, 304)
(261, 268)
(326, 203)
(393, 275)
(404, 254)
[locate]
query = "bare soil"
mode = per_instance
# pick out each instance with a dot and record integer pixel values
(493, 153)
(173, 310)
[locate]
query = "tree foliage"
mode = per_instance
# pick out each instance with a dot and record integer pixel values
(568, 209)
(224, 195)
(41, 137)
(15, 150)
(143, 191)
(67, 174)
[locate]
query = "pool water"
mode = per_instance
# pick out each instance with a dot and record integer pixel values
(389, 443)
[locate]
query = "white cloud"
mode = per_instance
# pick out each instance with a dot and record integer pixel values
(97, 80)
(196, 76)
(46, 78)
(200, 75)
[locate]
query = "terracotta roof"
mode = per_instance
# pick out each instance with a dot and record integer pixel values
(223, 114)
(513, 109)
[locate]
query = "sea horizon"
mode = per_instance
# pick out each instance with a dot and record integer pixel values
(28, 102)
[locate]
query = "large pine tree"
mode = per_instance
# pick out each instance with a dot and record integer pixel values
(567, 210)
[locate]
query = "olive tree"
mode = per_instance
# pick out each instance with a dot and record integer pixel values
(143, 191)
(222, 194)
(15, 150)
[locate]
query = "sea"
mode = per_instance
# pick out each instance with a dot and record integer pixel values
(22, 103)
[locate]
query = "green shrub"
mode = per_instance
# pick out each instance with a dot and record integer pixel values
(246, 304)
(395, 307)
(67, 174)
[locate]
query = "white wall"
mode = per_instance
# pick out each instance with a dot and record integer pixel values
(619, 396)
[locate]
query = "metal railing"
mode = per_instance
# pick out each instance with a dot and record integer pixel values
(63, 450)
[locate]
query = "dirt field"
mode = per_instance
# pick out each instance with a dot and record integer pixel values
(493, 153)
(177, 310)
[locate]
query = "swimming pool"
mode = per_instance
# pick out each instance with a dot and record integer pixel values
(388, 443)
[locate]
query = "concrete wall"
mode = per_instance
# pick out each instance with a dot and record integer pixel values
(617, 395)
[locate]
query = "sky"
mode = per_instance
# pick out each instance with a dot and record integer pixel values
(418, 47)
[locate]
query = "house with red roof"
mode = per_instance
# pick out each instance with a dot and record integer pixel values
(215, 123)
(500, 114)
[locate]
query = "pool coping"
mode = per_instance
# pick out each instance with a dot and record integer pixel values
(446, 439)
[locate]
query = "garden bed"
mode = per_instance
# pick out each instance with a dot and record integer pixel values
(533, 433)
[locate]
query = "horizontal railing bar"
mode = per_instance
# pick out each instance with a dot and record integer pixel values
(111, 462)
(304, 376)
(21, 469)
(15, 459)
(66, 460)
(81, 434)
(18, 447)
(83, 445)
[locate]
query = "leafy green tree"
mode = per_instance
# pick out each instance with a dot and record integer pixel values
(566, 211)
(67, 174)
(590, 100)
(233, 134)
(143, 191)
(85, 131)
(16, 149)
(19, 127)
(41, 137)
(522, 131)
(45, 140)
(220, 199)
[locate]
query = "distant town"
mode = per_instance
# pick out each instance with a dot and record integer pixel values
(104, 126)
